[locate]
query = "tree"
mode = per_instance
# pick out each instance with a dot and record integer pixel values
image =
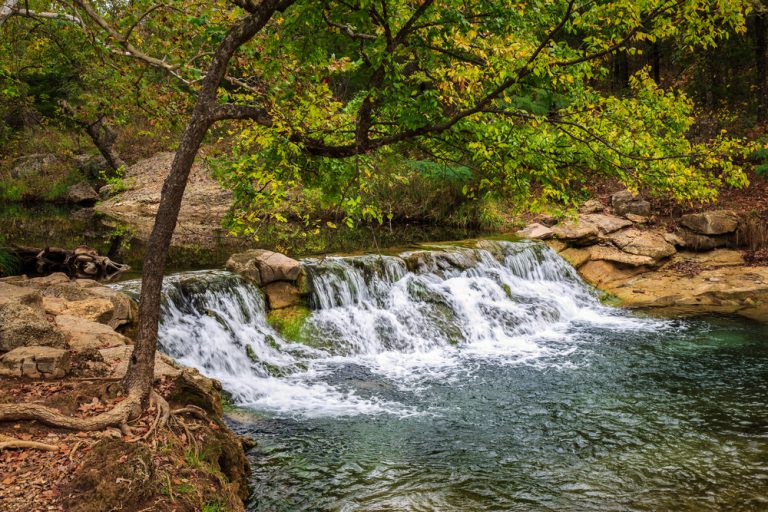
(319, 89)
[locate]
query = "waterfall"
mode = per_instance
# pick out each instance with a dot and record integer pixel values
(410, 318)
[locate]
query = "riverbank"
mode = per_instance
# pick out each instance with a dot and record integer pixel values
(66, 344)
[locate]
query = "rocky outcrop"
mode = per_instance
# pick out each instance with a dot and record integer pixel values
(621, 252)
(716, 285)
(576, 233)
(203, 208)
(282, 294)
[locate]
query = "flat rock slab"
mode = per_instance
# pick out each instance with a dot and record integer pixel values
(536, 231)
(598, 252)
(82, 334)
(576, 233)
(643, 243)
(20, 295)
(35, 362)
(606, 223)
(117, 358)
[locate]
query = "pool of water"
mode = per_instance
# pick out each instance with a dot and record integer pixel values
(673, 417)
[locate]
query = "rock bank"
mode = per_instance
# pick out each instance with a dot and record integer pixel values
(66, 343)
(690, 269)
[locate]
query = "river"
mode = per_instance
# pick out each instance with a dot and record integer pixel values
(487, 378)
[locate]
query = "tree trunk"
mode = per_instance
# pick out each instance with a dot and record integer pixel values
(656, 62)
(140, 374)
(103, 137)
(761, 85)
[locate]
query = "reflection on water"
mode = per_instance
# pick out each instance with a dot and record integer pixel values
(60, 226)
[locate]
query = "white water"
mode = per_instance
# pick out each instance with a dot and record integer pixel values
(510, 303)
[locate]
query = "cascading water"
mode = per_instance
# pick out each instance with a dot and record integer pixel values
(410, 318)
(478, 378)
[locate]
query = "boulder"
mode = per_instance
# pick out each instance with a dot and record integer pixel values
(606, 223)
(22, 325)
(719, 222)
(603, 253)
(19, 295)
(643, 243)
(82, 193)
(637, 219)
(264, 267)
(35, 362)
(625, 202)
(82, 334)
(282, 294)
(591, 206)
(535, 231)
(576, 233)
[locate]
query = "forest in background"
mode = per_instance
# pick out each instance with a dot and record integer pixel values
(676, 113)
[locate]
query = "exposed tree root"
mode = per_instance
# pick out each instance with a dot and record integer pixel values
(7, 443)
(115, 417)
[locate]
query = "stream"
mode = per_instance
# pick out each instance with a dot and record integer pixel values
(478, 378)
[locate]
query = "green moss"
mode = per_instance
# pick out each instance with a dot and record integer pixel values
(507, 290)
(609, 299)
(250, 353)
(289, 322)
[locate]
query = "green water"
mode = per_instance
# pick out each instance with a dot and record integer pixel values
(674, 418)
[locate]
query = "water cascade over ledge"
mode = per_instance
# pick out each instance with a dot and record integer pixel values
(409, 319)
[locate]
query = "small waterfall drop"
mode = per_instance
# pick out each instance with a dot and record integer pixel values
(411, 318)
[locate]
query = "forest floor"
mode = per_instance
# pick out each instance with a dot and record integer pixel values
(182, 467)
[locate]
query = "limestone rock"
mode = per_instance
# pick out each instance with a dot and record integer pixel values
(190, 387)
(84, 334)
(282, 294)
(117, 359)
(35, 362)
(674, 239)
(19, 295)
(604, 253)
(698, 242)
(625, 202)
(603, 273)
(591, 206)
(264, 267)
(536, 231)
(576, 233)
(22, 325)
(643, 243)
(82, 193)
(637, 219)
(718, 222)
(606, 223)
(576, 257)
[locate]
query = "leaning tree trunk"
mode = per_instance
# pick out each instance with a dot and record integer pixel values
(104, 137)
(140, 374)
